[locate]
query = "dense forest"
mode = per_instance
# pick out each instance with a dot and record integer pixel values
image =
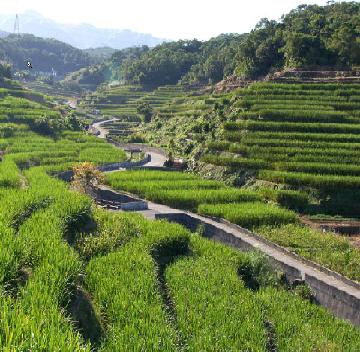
(309, 35)
(111, 69)
(45, 54)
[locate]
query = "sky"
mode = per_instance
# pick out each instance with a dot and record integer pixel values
(170, 19)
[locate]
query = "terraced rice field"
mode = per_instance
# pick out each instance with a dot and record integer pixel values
(170, 104)
(299, 135)
(22, 145)
(123, 275)
(76, 278)
(264, 211)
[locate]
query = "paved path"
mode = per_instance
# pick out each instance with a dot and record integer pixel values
(158, 157)
(103, 131)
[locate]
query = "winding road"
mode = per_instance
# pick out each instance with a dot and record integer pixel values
(157, 156)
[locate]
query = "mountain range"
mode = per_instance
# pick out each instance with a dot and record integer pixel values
(82, 36)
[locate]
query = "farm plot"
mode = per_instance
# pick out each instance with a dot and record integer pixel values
(190, 192)
(299, 135)
(75, 278)
(256, 210)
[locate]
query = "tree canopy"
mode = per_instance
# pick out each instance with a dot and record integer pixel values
(307, 36)
(45, 54)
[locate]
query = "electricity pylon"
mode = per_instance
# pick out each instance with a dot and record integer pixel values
(17, 25)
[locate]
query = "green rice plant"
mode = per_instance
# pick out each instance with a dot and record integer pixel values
(255, 151)
(301, 326)
(191, 199)
(243, 163)
(150, 175)
(292, 127)
(291, 199)
(274, 142)
(107, 154)
(314, 137)
(301, 86)
(112, 231)
(125, 284)
(37, 312)
(302, 115)
(146, 187)
(9, 174)
(249, 214)
(320, 168)
(328, 249)
(218, 146)
(326, 182)
(214, 311)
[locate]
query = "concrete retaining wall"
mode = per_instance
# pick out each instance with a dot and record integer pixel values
(330, 289)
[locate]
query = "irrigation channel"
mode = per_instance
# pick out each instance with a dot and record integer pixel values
(330, 289)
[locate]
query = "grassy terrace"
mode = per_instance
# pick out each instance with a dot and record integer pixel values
(172, 107)
(22, 118)
(124, 270)
(262, 211)
(298, 135)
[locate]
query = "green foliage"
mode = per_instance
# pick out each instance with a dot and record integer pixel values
(250, 214)
(213, 307)
(146, 111)
(301, 326)
(164, 64)
(125, 283)
(309, 35)
(327, 249)
(177, 189)
(112, 231)
(44, 53)
(9, 174)
(5, 71)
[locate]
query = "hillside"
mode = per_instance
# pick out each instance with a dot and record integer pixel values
(83, 36)
(107, 70)
(161, 210)
(45, 54)
(73, 281)
(323, 36)
(301, 136)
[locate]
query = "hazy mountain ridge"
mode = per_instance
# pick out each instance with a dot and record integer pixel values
(82, 36)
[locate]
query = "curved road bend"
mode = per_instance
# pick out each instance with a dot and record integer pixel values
(157, 159)
(103, 131)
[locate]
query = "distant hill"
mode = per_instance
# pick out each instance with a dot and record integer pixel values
(81, 36)
(45, 54)
(100, 54)
(3, 34)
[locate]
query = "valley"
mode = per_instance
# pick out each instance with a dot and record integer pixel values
(193, 196)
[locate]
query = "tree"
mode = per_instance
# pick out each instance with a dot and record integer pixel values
(5, 71)
(86, 178)
(146, 111)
